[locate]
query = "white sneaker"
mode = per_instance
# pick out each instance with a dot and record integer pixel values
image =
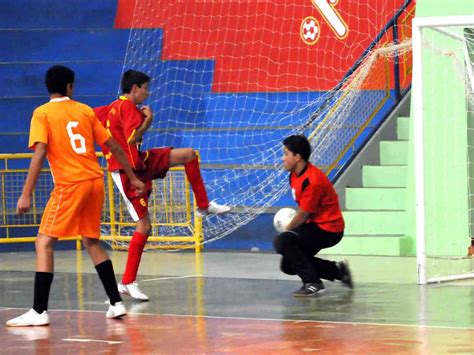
(116, 311)
(213, 208)
(29, 318)
(132, 290)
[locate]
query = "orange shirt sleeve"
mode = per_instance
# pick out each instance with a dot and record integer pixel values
(38, 129)
(101, 135)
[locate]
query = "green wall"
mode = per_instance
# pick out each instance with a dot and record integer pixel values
(446, 177)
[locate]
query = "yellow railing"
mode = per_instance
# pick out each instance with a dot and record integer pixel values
(171, 207)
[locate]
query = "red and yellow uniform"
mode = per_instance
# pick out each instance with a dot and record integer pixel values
(69, 129)
(122, 118)
(314, 193)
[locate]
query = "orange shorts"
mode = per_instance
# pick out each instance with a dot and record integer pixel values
(74, 210)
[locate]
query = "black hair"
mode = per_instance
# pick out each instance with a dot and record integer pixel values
(133, 77)
(298, 144)
(57, 79)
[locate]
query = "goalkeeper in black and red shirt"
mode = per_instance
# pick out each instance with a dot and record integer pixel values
(318, 223)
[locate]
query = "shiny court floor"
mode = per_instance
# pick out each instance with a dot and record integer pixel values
(236, 303)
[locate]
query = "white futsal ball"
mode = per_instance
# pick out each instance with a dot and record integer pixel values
(282, 218)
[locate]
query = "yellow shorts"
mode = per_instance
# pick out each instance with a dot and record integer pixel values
(74, 210)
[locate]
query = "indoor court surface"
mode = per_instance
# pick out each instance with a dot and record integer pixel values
(237, 303)
(382, 89)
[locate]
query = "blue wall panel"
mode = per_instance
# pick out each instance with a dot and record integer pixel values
(41, 14)
(259, 233)
(14, 143)
(63, 45)
(262, 109)
(27, 79)
(238, 147)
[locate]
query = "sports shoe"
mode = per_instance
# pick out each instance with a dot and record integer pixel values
(116, 311)
(213, 208)
(30, 318)
(346, 276)
(132, 290)
(310, 289)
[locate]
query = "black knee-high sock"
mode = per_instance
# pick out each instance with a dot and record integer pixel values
(43, 282)
(107, 276)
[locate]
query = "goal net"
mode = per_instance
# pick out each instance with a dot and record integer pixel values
(232, 79)
(443, 98)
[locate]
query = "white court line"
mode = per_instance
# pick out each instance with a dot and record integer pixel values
(171, 278)
(269, 319)
(93, 341)
(312, 321)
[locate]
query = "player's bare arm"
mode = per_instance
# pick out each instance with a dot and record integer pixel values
(24, 202)
(300, 218)
(119, 154)
(148, 115)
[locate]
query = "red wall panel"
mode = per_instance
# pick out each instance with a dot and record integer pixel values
(256, 44)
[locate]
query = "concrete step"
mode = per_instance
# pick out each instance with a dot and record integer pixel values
(375, 222)
(375, 198)
(393, 152)
(387, 245)
(403, 125)
(384, 176)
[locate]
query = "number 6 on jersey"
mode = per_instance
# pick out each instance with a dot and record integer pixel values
(79, 148)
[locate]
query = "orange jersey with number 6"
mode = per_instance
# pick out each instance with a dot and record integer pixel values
(69, 128)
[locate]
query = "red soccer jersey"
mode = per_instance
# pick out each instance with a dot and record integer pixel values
(121, 118)
(314, 193)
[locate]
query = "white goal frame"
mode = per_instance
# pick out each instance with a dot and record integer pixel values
(419, 24)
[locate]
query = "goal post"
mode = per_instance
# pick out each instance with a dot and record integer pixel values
(442, 88)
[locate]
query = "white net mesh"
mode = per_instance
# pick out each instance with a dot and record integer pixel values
(170, 210)
(448, 92)
(232, 79)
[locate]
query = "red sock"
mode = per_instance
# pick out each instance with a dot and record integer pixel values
(193, 173)
(135, 250)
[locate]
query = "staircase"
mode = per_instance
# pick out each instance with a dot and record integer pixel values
(375, 213)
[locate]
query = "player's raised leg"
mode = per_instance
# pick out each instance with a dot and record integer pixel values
(189, 158)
